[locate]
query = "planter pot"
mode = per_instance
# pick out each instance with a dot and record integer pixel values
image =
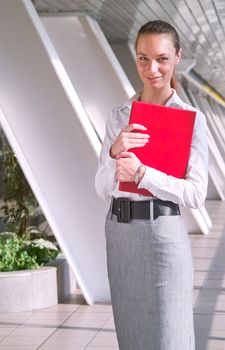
(28, 290)
(66, 280)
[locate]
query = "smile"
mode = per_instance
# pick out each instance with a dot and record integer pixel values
(154, 78)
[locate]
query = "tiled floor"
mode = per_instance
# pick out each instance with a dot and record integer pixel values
(77, 326)
(209, 292)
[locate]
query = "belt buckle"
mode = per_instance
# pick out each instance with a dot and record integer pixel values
(152, 210)
(123, 209)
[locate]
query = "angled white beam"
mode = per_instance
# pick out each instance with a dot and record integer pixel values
(197, 220)
(221, 112)
(54, 141)
(218, 118)
(91, 65)
(215, 129)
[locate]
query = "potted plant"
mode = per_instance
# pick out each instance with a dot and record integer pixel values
(25, 281)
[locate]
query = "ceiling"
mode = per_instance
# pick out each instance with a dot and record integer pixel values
(200, 24)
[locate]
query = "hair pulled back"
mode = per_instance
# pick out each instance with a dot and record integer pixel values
(161, 27)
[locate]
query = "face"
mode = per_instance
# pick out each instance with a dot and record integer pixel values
(156, 59)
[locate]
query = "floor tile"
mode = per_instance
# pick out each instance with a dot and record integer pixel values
(23, 340)
(104, 341)
(68, 341)
(50, 315)
(72, 332)
(17, 347)
(6, 330)
(54, 323)
(60, 347)
(90, 316)
(87, 323)
(95, 308)
(61, 308)
(33, 331)
(106, 347)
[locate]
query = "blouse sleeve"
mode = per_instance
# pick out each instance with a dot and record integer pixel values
(191, 191)
(105, 178)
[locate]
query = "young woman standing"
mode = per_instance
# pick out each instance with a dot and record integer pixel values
(149, 258)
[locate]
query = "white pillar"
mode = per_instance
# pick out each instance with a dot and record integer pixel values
(55, 142)
(91, 65)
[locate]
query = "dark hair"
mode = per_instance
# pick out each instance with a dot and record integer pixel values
(161, 27)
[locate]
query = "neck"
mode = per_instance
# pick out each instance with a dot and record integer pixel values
(159, 97)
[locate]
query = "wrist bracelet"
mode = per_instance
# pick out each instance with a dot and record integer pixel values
(136, 176)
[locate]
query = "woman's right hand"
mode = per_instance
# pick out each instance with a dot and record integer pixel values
(127, 139)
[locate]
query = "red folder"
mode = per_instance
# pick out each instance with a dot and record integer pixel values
(168, 149)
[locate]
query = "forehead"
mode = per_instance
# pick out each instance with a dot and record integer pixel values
(155, 43)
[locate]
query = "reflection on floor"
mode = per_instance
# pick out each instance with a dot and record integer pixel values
(77, 326)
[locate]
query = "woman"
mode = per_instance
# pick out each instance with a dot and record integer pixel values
(149, 260)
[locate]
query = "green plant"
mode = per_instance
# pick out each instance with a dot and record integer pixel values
(22, 246)
(21, 253)
(20, 204)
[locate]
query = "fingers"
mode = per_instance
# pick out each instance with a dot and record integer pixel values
(126, 166)
(125, 155)
(135, 142)
(126, 132)
(127, 139)
(131, 127)
(134, 135)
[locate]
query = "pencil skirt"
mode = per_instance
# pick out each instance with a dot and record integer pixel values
(150, 271)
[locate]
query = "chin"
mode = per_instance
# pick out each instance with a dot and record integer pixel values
(156, 85)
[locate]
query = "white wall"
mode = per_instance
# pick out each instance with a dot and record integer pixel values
(54, 140)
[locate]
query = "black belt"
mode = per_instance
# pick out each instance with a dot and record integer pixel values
(126, 210)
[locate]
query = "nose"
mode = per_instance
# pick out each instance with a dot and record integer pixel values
(153, 67)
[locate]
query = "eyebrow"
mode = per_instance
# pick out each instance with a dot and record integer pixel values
(161, 54)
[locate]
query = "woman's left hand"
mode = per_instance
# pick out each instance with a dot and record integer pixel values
(126, 166)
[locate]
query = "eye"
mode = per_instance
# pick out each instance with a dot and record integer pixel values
(162, 59)
(143, 58)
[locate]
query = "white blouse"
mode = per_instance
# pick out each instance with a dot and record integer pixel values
(190, 192)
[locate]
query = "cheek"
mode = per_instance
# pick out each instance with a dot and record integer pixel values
(167, 68)
(141, 67)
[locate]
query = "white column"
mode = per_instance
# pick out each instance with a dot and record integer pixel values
(44, 118)
(91, 65)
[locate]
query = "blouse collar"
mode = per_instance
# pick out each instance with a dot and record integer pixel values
(174, 101)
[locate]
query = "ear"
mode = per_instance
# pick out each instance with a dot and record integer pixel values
(178, 56)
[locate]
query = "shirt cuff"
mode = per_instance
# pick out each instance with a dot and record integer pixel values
(152, 180)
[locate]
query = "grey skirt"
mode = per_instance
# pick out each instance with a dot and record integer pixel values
(150, 272)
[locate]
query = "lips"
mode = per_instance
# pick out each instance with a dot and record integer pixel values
(154, 78)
